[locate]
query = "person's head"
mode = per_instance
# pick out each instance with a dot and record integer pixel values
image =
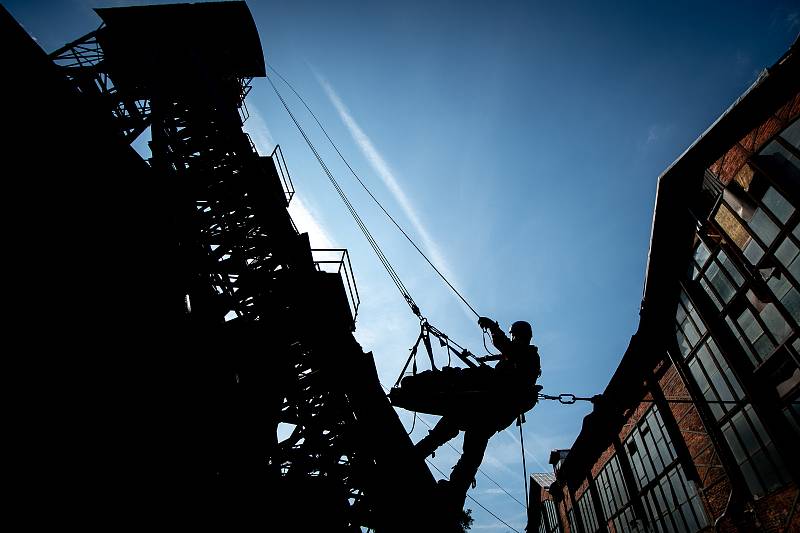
(521, 332)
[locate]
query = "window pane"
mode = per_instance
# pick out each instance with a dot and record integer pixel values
(734, 443)
(683, 344)
(697, 322)
(779, 205)
(731, 225)
(701, 254)
(711, 294)
(775, 322)
(764, 227)
(794, 269)
(749, 325)
(741, 340)
(746, 433)
(791, 300)
(792, 134)
(720, 282)
(763, 346)
(786, 252)
(680, 315)
(759, 462)
(776, 158)
(690, 331)
(779, 286)
(753, 252)
(730, 268)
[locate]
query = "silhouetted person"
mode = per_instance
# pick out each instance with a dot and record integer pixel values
(509, 391)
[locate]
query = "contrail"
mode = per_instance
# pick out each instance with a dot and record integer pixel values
(381, 167)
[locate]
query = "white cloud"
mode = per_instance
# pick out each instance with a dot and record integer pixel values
(307, 222)
(303, 215)
(381, 167)
(258, 131)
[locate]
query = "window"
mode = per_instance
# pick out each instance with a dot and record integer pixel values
(761, 317)
(759, 215)
(749, 442)
(670, 500)
(571, 520)
(719, 277)
(610, 485)
(746, 266)
(751, 213)
(754, 451)
(714, 378)
(586, 508)
(614, 497)
(549, 518)
(626, 521)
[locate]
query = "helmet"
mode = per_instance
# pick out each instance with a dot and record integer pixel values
(521, 329)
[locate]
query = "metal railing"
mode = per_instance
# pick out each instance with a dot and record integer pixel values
(337, 260)
(283, 172)
(245, 85)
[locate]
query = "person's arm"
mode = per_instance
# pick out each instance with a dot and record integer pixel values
(499, 338)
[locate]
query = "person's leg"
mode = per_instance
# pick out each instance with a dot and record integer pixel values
(475, 442)
(442, 432)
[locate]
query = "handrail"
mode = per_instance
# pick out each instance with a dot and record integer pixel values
(283, 172)
(344, 269)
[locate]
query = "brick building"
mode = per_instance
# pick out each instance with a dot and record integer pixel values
(699, 426)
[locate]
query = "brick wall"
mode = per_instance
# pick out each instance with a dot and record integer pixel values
(731, 162)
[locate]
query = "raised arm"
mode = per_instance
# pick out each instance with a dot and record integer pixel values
(499, 338)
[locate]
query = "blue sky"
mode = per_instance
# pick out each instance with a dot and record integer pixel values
(518, 142)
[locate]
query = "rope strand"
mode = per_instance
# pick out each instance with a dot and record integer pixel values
(369, 192)
(359, 222)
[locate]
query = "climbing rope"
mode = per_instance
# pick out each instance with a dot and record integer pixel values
(520, 421)
(369, 192)
(426, 328)
(474, 500)
(359, 222)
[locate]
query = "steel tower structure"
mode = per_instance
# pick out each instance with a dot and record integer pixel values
(259, 333)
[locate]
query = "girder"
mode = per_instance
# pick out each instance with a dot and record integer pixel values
(268, 331)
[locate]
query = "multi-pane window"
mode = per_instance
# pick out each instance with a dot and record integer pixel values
(747, 262)
(673, 503)
(549, 522)
(626, 522)
(756, 322)
(760, 225)
(715, 379)
(571, 520)
(649, 448)
(750, 444)
(754, 451)
(613, 494)
(751, 213)
(588, 515)
(670, 500)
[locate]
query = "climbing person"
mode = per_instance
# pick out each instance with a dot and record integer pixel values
(507, 391)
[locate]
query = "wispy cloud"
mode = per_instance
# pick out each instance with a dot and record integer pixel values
(381, 167)
(655, 133)
(652, 134)
(259, 132)
(308, 222)
(793, 19)
(302, 213)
